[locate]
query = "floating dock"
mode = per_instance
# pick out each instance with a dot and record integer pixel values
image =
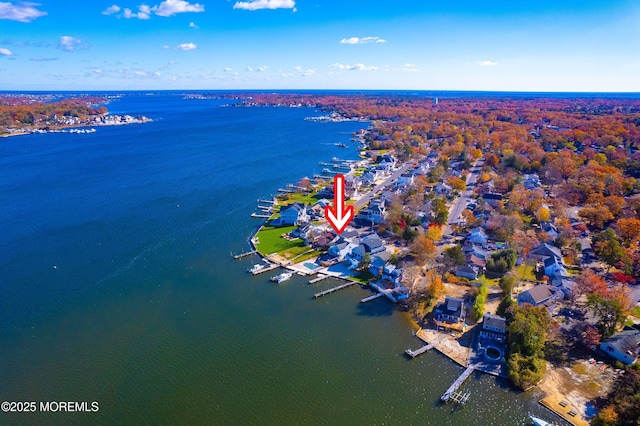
(270, 267)
(334, 289)
(451, 393)
(241, 255)
(318, 279)
(261, 216)
(372, 297)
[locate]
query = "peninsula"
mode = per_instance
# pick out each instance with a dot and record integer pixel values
(507, 227)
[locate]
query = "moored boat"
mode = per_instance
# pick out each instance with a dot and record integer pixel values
(257, 268)
(539, 422)
(282, 277)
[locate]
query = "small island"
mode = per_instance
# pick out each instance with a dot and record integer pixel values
(508, 228)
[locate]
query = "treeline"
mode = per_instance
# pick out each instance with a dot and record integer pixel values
(14, 114)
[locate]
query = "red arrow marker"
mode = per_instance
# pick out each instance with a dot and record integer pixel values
(340, 215)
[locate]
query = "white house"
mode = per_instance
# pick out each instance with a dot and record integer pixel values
(494, 327)
(540, 295)
(624, 346)
(293, 214)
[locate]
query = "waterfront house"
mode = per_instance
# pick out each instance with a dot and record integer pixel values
(341, 249)
(624, 346)
(451, 310)
(371, 245)
(494, 327)
(540, 295)
(378, 262)
(293, 214)
(467, 271)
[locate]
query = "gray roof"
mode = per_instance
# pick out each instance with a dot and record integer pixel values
(627, 340)
(453, 305)
(495, 321)
(540, 293)
(547, 249)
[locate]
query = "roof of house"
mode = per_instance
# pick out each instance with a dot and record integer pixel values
(372, 241)
(627, 340)
(547, 249)
(298, 207)
(539, 293)
(453, 305)
(492, 196)
(495, 321)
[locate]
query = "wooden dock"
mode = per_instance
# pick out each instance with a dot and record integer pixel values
(372, 297)
(451, 392)
(270, 267)
(261, 216)
(266, 201)
(318, 279)
(241, 255)
(334, 289)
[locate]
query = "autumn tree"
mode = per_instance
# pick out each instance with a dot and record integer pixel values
(423, 250)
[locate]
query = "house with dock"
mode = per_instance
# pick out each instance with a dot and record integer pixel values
(494, 327)
(293, 214)
(451, 313)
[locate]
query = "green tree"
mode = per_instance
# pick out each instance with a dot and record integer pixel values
(364, 263)
(454, 256)
(507, 282)
(439, 211)
(609, 311)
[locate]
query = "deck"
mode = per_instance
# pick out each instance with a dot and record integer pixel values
(451, 392)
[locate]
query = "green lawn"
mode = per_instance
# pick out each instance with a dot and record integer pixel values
(363, 277)
(270, 240)
(524, 272)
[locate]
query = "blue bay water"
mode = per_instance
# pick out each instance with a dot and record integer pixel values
(117, 285)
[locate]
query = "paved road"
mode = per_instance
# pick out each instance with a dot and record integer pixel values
(381, 186)
(460, 203)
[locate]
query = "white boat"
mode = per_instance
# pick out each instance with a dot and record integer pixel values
(539, 422)
(282, 277)
(257, 268)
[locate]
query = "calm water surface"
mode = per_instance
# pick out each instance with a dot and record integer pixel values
(146, 312)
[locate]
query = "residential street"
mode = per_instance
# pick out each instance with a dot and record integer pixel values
(460, 203)
(364, 200)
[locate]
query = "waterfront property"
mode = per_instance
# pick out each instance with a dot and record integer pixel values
(624, 346)
(494, 327)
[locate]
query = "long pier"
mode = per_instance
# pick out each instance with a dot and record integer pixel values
(423, 349)
(334, 289)
(245, 254)
(372, 297)
(266, 201)
(451, 392)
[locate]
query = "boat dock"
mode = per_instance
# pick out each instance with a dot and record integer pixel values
(425, 348)
(451, 393)
(372, 297)
(266, 201)
(334, 289)
(245, 254)
(261, 216)
(318, 279)
(270, 267)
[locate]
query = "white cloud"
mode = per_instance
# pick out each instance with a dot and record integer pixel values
(111, 10)
(410, 68)
(265, 4)
(166, 8)
(144, 12)
(262, 68)
(486, 63)
(363, 40)
(308, 72)
(193, 25)
(249, 68)
(68, 43)
(355, 67)
(171, 7)
(166, 46)
(21, 12)
(186, 46)
(228, 69)
(5, 52)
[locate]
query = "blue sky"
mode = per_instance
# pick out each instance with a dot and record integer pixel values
(320, 44)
